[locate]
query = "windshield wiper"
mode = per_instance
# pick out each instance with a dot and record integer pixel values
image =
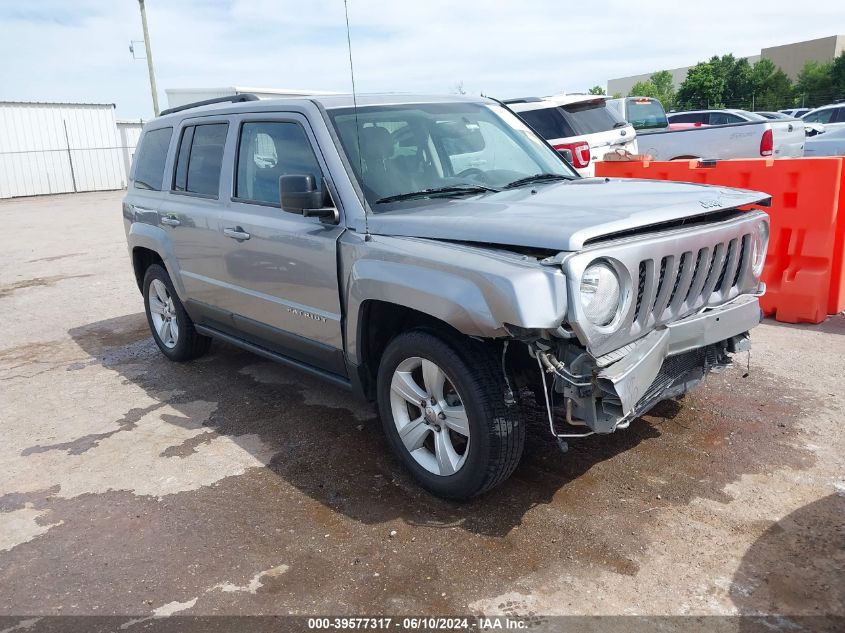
(619, 124)
(536, 178)
(451, 189)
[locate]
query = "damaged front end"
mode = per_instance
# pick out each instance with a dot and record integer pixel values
(607, 392)
(686, 302)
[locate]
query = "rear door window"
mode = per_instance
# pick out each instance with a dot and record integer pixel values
(822, 116)
(549, 123)
(687, 117)
(149, 160)
(200, 159)
(724, 118)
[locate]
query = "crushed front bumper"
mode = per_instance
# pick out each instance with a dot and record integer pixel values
(663, 364)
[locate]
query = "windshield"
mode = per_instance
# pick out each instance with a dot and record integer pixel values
(646, 114)
(460, 146)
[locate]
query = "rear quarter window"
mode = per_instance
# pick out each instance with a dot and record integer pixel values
(590, 117)
(149, 160)
(548, 123)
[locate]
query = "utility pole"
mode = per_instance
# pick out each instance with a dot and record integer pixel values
(149, 57)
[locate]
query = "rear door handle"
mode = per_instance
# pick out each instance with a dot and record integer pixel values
(171, 221)
(236, 233)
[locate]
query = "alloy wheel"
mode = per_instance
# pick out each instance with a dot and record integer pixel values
(163, 314)
(430, 416)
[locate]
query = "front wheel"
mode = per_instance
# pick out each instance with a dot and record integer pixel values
(172, 328)
(443, 410)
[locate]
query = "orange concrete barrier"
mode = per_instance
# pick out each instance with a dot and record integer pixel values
(804, 267)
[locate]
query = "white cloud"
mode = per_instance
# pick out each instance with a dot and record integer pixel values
(79, 51)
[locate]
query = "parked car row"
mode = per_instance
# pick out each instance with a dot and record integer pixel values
(588, 127)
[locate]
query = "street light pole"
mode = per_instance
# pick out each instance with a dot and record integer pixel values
(149, 57)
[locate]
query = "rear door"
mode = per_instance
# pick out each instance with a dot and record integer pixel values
(279, 270)
(190, 210)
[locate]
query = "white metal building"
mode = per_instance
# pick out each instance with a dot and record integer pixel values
(128, 133)
(59, 148)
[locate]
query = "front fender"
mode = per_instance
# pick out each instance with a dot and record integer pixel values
(475, 290)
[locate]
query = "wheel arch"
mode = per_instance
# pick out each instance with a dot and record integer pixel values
(378, 323)
(149, 245)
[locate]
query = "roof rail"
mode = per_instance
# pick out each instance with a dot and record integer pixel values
(196, 104)
(522, 100)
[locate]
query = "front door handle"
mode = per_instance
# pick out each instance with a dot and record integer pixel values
(170, 221)
(236, 233)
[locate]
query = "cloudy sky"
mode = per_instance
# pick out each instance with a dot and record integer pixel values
(77, 50)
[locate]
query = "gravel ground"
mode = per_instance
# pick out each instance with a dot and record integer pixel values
(136, 487)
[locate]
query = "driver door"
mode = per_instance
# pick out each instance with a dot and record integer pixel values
(279, 268)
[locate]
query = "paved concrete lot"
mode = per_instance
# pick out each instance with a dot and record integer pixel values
(135, 486)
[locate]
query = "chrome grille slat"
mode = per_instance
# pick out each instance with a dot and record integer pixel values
(640, 290)
(683, 283)
(649, 294)
(699, 275)
(667, 284)
(744, 253)
(716, 265)
(730, 266)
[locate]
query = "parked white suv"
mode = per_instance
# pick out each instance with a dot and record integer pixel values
(581, 124)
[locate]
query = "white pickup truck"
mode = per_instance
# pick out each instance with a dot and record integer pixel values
(714, 134)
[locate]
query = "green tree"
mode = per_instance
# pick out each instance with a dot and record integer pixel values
(596, 90)
(704, 86)
(815, 84)
(837, 75)
(738, 82)
(659, 86)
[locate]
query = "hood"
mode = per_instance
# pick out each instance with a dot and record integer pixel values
(559, 216)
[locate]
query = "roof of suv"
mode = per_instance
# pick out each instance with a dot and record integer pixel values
(327, 101)
(533, 103)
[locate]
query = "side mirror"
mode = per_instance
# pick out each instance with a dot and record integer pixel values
(299, 194)
(567, 155)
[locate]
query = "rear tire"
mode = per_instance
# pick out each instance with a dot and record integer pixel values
(469, 423)
(172, 328)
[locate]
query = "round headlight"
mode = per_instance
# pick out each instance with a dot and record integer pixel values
(600, 293)
(759, 243)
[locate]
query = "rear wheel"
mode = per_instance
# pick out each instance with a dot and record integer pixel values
(442, 408)
(172, 328)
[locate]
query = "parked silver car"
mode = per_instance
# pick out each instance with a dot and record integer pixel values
(435, 255)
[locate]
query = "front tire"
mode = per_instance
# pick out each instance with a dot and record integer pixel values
(172, 328)
(443, 410)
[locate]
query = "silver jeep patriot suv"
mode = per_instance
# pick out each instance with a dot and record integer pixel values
(437, 256)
